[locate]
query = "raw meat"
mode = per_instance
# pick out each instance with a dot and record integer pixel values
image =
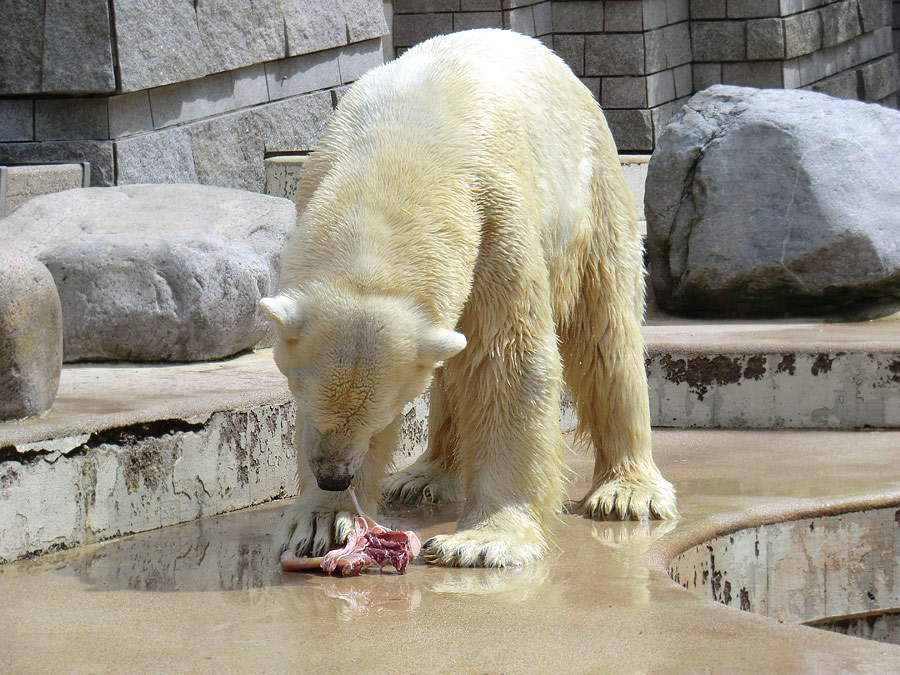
(368, 545)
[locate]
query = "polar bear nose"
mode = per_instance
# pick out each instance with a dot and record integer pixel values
(334, 483)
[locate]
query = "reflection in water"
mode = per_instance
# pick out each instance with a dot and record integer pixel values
(368, 593)
(232, 553)
(201, 557)
(633, 537)
(511, 584)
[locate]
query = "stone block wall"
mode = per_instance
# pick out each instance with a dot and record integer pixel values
(642, 59)
(418, 20)
(839, 47)
(177, 90)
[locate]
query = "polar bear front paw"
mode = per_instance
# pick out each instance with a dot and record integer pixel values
(628, 499)
(422, 483)
(483, 548)
(311, 528)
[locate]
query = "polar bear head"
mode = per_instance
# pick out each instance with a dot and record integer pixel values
(352, 363)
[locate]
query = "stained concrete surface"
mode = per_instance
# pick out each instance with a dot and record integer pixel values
(208, 596)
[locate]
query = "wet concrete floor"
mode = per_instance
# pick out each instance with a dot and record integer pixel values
(208, 597)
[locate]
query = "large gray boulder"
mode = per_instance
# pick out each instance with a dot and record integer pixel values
(775, 203)
(157, 272)
(30, 336)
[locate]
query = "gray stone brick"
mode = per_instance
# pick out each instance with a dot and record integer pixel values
(802, 34)
(70, 119)
(684, 81)
(593, 85)
(677, 41)
(623, 92)
(543, 18)
(811, 68)
(512, 4)
(761, 74)
(411, 29)
(77, 55)
(752, 9)
(250, 85)
(614, 54)
(520, 20)
(790, 74)
(708, 9)
(312, 25)
(16, 119)
(193, 100)
(157, 43)
(875, 14)
(623, 16)
(163, 156)
(787, 7)
(425, 6)
(98, 153)
(842, 85)
(765, 39)
(654, 50)
(660, 88)
(578, 16)
(234, 33)
(301, 74)
(546, 40)
(840, 22)
(480, 5)
(655, 14)
(21, 47)
(880, 78)
(354, 60)
(365, 19)
(631, 129)
(470, 20)
(706, 74)
(718, 40)
(129, 114)
(570, 49)
(677, 10)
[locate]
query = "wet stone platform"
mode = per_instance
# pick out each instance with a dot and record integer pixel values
(207, 596)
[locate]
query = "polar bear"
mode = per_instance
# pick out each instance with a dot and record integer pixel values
(465, 222)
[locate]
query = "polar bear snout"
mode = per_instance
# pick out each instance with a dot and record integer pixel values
(333, 458)
(333, 483)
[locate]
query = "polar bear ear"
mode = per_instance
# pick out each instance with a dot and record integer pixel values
(439, 344)
(284, 311)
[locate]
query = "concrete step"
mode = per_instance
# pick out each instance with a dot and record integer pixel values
(773, 374)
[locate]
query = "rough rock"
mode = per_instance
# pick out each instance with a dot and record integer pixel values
(775, 203)
(30, 336)
(157, 272)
